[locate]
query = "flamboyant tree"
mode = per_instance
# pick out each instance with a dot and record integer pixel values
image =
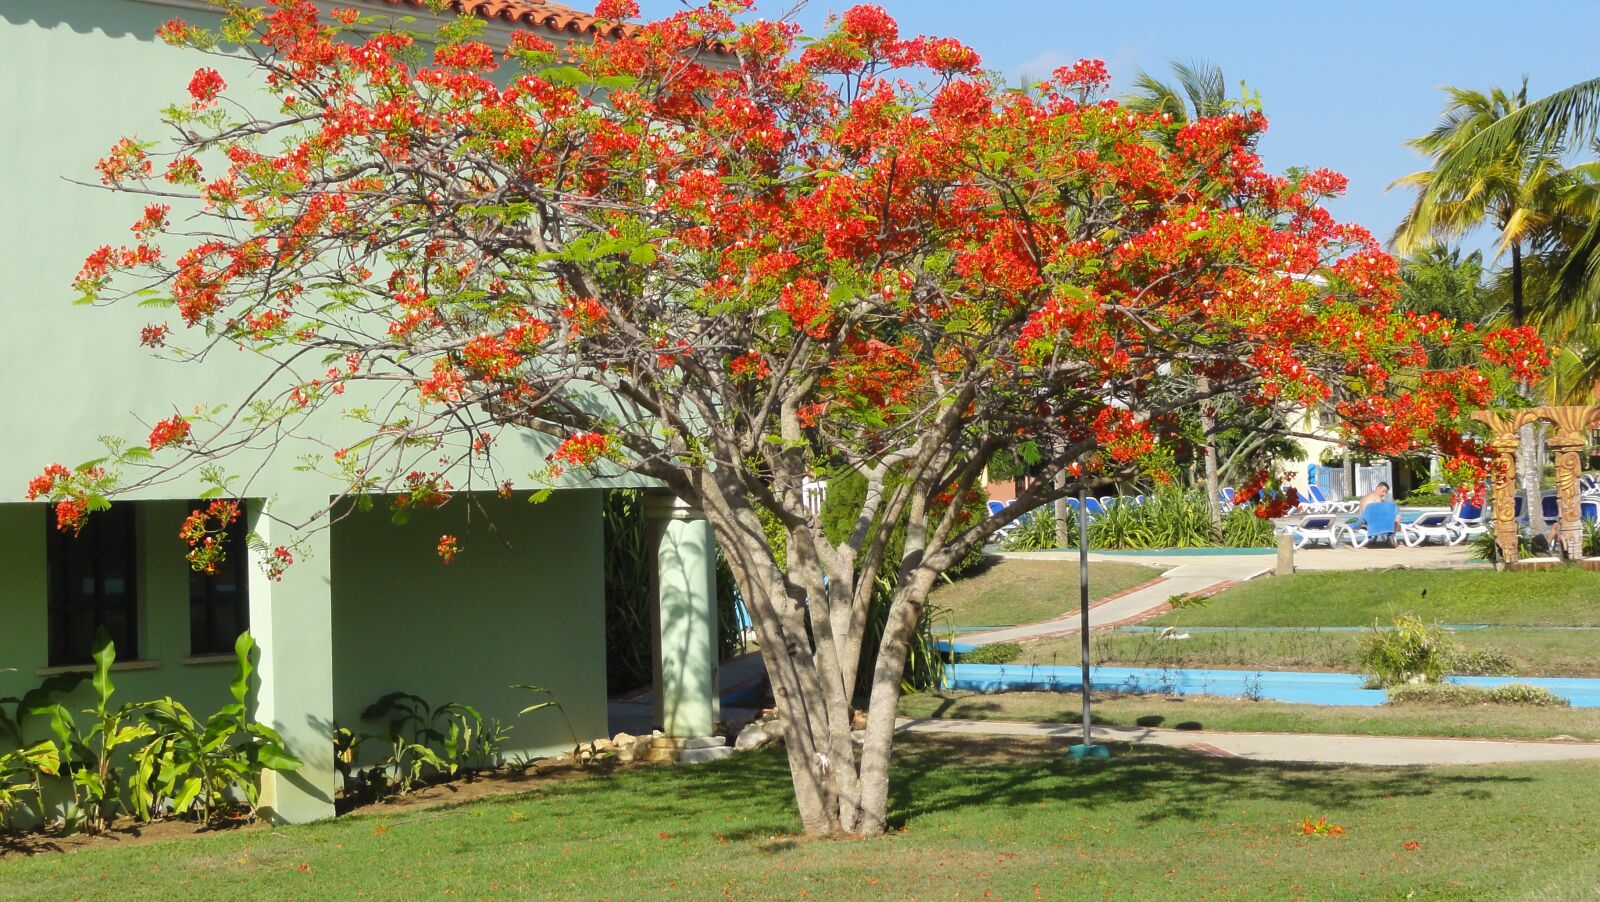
(726, 259)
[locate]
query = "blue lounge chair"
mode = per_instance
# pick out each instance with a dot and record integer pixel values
(997, 507)
(1093, 506)
(1468, 520)
(1377, 522)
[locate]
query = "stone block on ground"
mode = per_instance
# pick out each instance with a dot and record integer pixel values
(701, 756)
(752, 737)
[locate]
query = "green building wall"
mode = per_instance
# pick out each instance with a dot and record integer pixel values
(164, 666)
(522, 603)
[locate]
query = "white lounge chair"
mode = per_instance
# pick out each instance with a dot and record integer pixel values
(1316, 528)
(1429, 526)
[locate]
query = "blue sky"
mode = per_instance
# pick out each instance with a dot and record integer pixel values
(1344, 84)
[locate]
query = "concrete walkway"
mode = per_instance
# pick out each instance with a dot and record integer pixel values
(1185, 575)
(1390, 751)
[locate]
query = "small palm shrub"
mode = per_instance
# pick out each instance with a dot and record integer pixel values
(1241, 528)
(1173, 517)
(1483, 548)
(1409, 652)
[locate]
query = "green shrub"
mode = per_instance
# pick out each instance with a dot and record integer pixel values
(1455, 694)
(1241, 528)
(1037, 532)
(1483, 548)
(1411, 651)
(1172, 517)
(1427, 499)
(1482, 662)
(997, 653)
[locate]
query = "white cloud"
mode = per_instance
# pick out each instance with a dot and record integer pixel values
(1038, 68)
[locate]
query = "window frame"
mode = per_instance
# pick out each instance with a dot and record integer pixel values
(102, 531)
(202, 589)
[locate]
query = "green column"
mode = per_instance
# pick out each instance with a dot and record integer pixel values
(686, 632)
(292, 625)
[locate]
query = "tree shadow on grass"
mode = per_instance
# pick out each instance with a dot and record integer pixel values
(1176, 783)
(749, 798)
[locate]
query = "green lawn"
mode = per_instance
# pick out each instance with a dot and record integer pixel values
(1535, 652)
(1566, 597)
(1008, 592)
(1014, 819)
(1240, 715)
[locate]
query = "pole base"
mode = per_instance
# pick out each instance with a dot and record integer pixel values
(1086, 752)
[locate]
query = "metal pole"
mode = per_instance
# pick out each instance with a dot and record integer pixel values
(1083, 603)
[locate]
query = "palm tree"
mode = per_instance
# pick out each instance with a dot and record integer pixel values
(1200, 92)
(1511, 192)
(1438, 279)
(1567, 118)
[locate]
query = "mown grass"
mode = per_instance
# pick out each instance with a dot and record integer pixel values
(1011, 818)
(1008, 592)
(1241, 715)
(1563, 597)
(1555, 653)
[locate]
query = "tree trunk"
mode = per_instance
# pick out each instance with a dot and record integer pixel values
(1530, 451)
(1064, 534)
(1517, 311)
(1213, 482)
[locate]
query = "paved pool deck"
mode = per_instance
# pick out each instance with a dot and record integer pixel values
(1379, 751)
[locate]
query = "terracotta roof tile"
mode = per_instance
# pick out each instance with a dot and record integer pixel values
(535, 14)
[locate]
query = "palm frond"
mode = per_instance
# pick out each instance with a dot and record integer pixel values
(1568, 117)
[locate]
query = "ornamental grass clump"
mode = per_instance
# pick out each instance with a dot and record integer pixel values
(1462, 696)
(1409, 651)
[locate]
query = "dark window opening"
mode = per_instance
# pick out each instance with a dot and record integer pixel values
(219, 603)
(93, 586)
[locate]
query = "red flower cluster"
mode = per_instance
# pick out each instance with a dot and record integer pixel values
(1320, 827)
(173, 430)
(581, 450)
(280, 560)
(42, 485)
(204, 87)
(206, 541)
(447, 548)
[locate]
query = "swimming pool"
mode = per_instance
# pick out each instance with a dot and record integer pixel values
(1284, 686)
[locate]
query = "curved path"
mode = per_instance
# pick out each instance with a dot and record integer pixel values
(1188, 575)
(1320, 748)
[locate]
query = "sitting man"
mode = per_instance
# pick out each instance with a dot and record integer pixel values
(1380, 492)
